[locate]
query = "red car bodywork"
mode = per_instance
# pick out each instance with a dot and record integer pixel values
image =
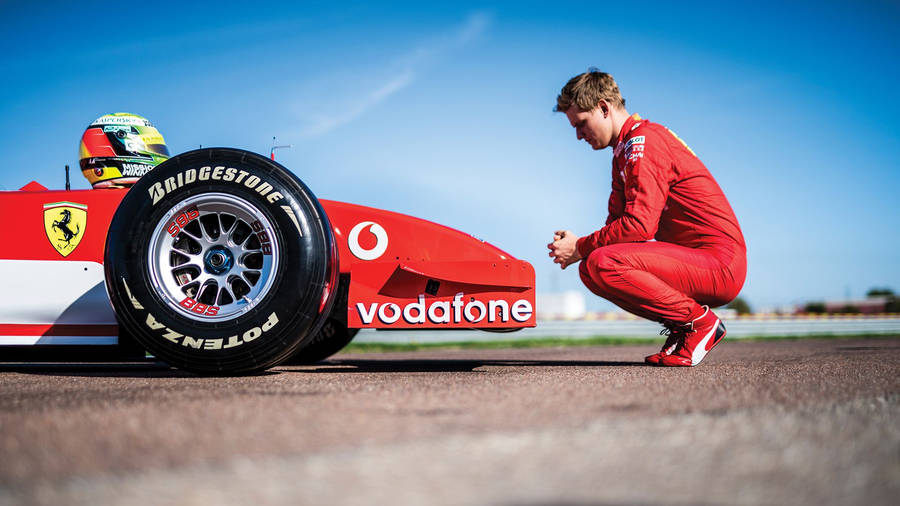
(404, 272)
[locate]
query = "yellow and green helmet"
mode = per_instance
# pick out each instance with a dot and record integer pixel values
(117, 149)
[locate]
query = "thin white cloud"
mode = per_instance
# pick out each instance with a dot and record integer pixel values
(355, 107)
(348, 106)
(476, 24)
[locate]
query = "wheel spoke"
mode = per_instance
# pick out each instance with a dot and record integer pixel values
(225, 295)
(210, 225)
(240, 232)
(208, 292)
(252, 277)
(193, 229)
(228, 223)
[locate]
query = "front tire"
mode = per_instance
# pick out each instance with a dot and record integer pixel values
(334, 334)
(220, 261)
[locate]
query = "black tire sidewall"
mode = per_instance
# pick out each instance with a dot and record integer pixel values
(334, 334)
(304, 269)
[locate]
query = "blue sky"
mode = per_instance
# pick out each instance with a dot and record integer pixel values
(444, 111)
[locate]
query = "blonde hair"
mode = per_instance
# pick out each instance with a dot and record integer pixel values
(587, 90)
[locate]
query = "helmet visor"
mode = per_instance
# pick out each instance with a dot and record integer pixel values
(153, 140)
(136, 141)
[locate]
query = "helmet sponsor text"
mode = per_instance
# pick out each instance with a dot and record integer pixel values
(135, 169)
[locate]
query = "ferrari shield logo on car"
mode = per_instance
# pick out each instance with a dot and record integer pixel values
(64, 223)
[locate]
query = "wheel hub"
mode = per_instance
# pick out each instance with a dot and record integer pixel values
(218, 260)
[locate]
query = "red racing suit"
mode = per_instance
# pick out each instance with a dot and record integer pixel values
(662, 191)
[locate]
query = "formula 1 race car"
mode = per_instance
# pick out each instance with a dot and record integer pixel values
(221, 261)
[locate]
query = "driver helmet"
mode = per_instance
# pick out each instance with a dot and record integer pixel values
(117, 149)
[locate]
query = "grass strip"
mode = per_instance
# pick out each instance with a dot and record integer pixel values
(559, 342)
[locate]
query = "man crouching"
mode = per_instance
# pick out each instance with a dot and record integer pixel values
(661, 191)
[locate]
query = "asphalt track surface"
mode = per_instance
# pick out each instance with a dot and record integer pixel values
(783, 422)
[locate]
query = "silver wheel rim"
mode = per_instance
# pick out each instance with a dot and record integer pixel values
(212, 257)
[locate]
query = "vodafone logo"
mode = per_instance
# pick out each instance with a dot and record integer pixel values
(381, 241)
(445, 311)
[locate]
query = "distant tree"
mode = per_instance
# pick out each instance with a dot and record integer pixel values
(880, 292)
(892, 305)
(815, 307)
(740, 305)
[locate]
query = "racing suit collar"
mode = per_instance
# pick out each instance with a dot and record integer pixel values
(627, 126)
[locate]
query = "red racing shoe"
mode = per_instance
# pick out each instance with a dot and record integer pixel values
(674, 333)
(699, 336)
